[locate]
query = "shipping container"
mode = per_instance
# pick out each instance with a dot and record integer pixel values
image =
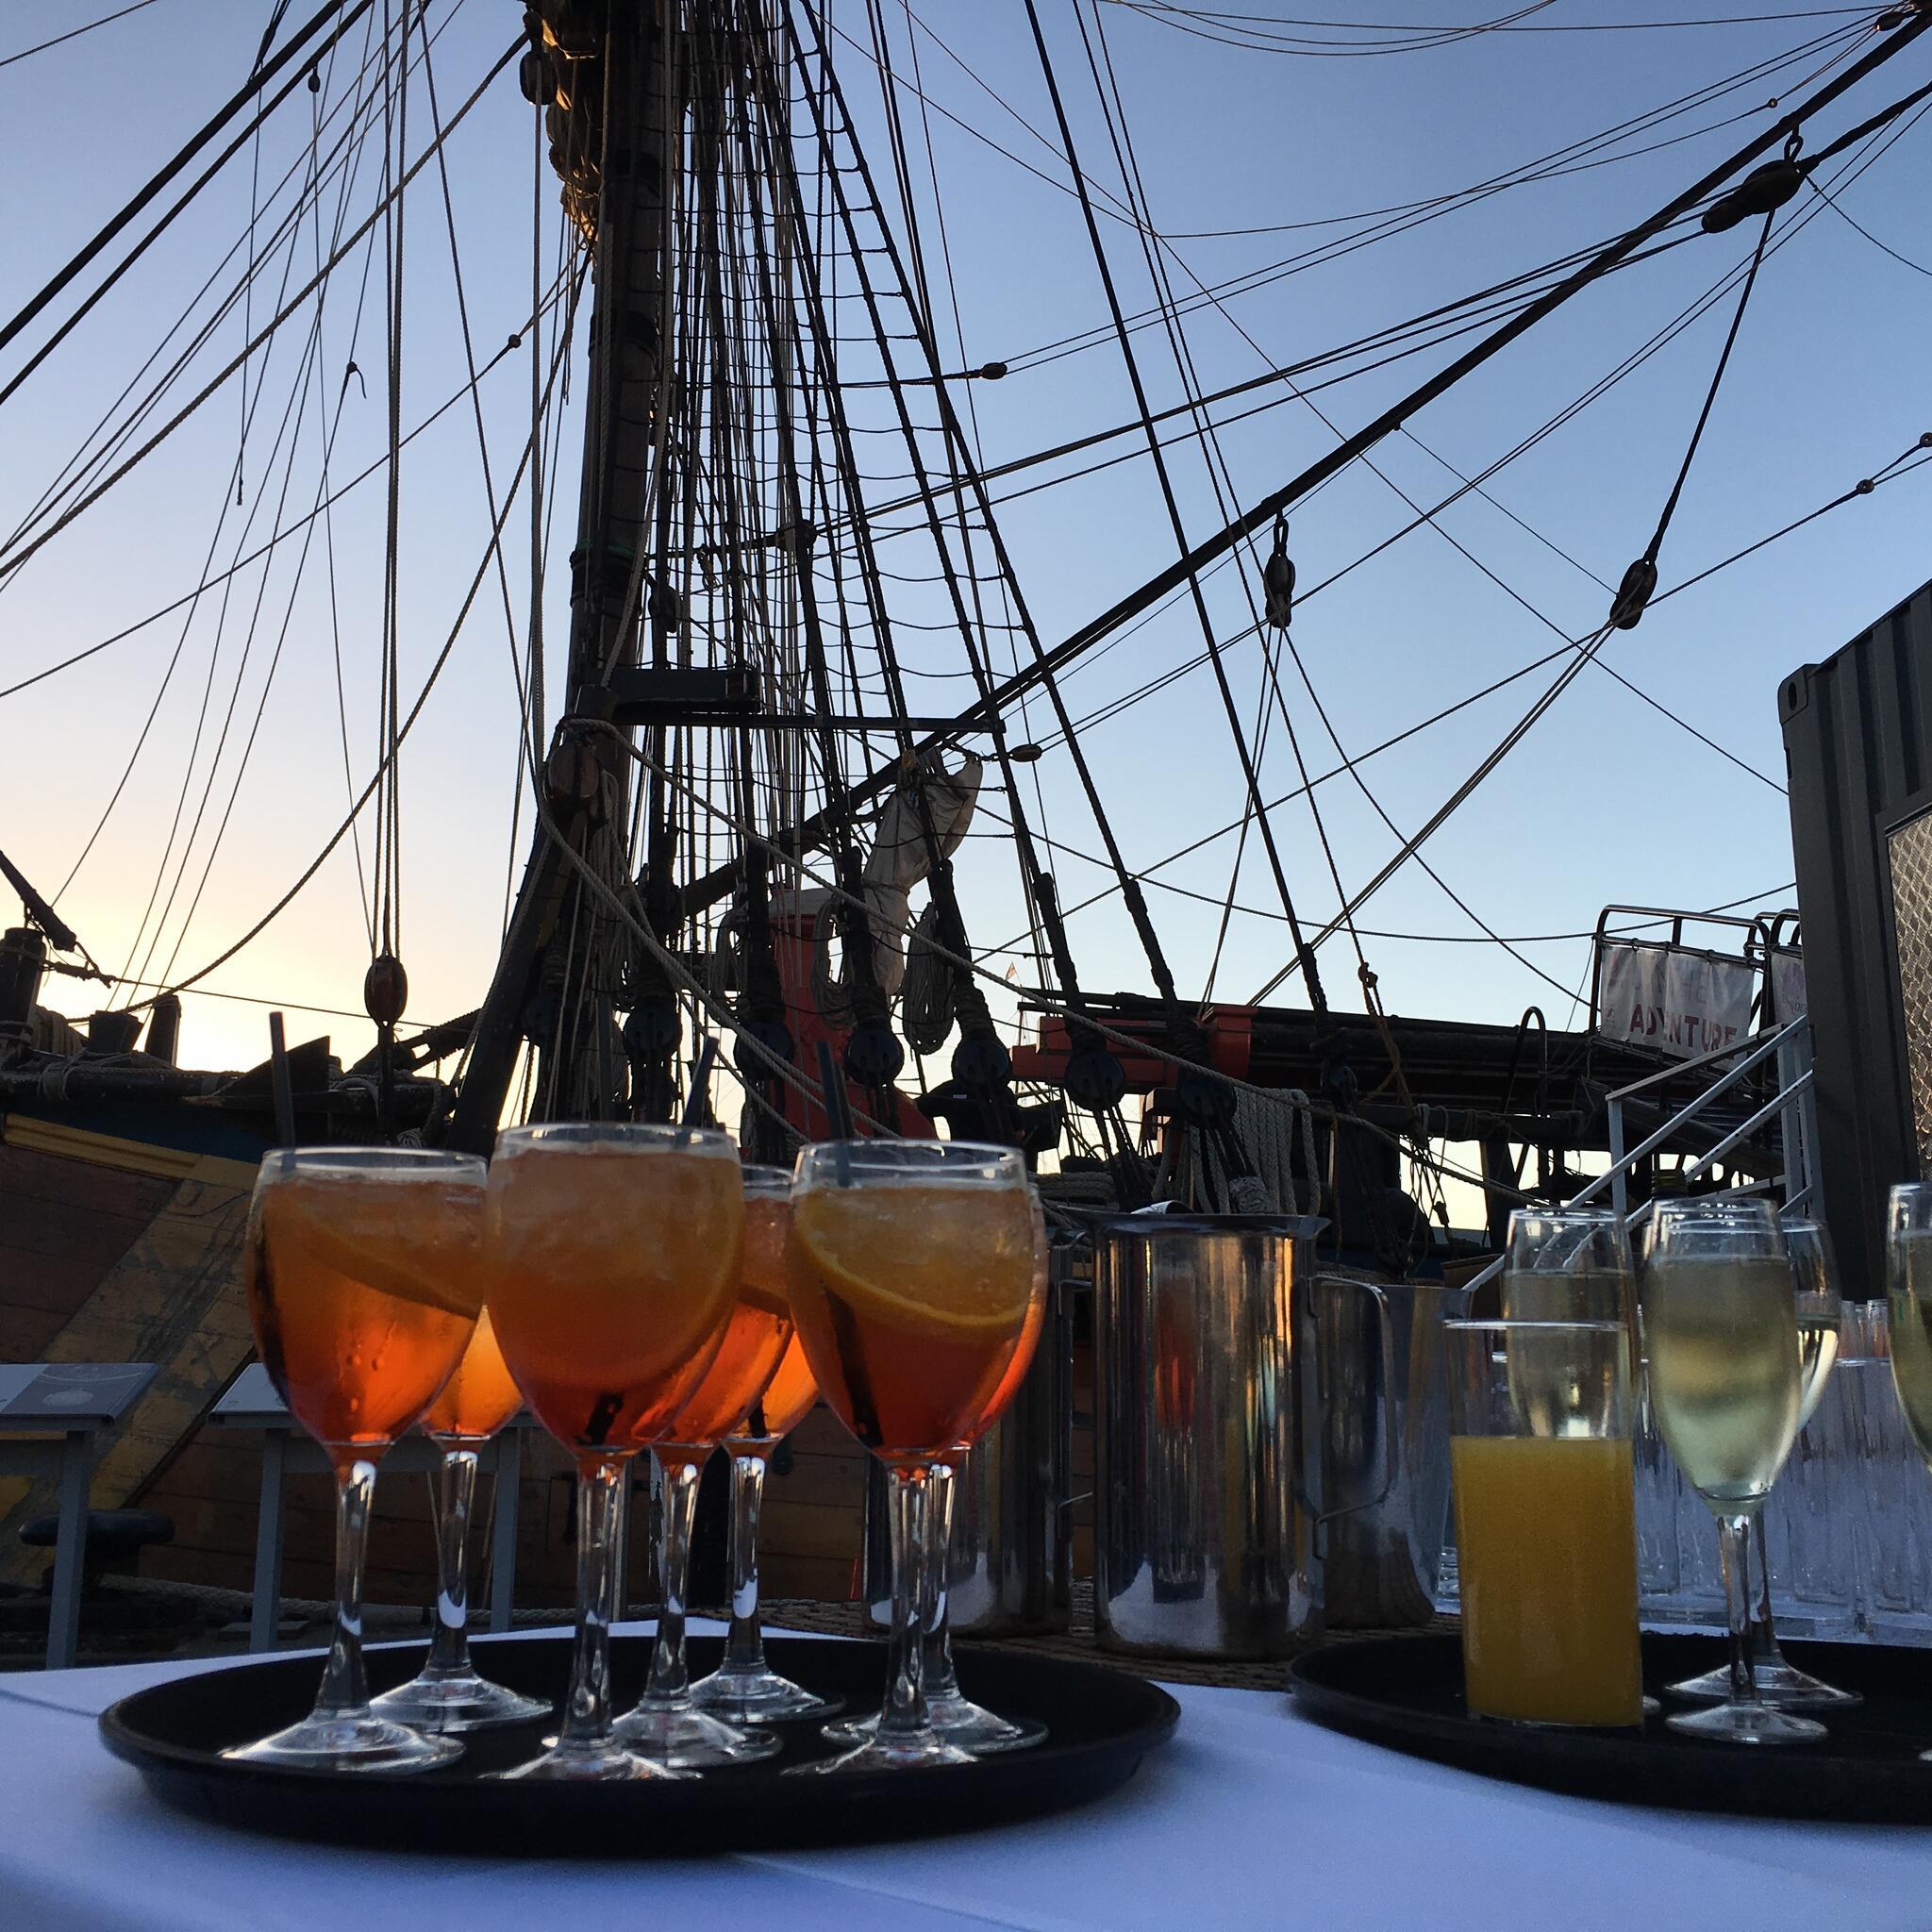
(1858, 731)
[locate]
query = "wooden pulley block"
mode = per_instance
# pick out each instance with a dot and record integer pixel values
(574, 777)
(385, 990)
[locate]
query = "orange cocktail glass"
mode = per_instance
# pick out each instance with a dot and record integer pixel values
(665, 1723)
(480, 1396)
(614, 1263)
(449, 1693)
(912, 1275)
(744, 1689)
(956, 1718)
(363, 1289)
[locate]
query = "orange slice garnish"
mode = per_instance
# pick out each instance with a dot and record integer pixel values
(417, 1243)
(950, 1262)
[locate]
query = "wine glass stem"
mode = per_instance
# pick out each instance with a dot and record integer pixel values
(1763, 1637)
(905, 1713)
(586, 1715)
(456, 1492)
(1734, 1536)
(744, 1643)
(941, 1681)
(344, 1688)
(670, 1673)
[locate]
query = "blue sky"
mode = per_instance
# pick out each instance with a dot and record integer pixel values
(1605, 801)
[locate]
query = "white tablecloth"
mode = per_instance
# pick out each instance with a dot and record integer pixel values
(1252, 1817)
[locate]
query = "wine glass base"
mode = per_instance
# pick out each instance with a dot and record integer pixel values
(1782, 1686)
(1747, 1724)
(359, 1742)
(602, 1762)
(958, 1721)
(688, 1740)
(461, 1702)
(759, 1697)
(922, 1750)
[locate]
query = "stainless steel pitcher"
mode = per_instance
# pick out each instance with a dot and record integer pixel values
(1272, 1448)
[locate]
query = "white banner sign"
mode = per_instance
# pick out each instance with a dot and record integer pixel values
(1678, 1003)
(1787, 987)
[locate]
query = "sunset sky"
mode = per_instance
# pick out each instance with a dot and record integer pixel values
(1605, 801)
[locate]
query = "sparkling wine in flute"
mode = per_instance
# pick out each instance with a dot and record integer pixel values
(1722, 1334)
(1910, 1300)
(1817, 1352)
(1567, 1294)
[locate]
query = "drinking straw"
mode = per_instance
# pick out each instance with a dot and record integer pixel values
(279, 1078)
(700, 1074)
(865, 1411)
(837, 1112)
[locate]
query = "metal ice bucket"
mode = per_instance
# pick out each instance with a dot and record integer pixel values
(1012, 1532)
(1270, 1451)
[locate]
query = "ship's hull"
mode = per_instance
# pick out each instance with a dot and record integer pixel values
(123, 1248)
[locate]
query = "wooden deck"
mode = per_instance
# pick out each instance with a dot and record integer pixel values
(121, 1250)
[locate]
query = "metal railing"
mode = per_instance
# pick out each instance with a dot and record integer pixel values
(1789, 1045)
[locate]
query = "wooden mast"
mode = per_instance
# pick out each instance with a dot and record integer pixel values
(600, 70)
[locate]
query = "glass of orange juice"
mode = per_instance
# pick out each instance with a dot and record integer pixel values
(448, 1693)
(744, 1689)
(363, 1289)
(911, 1271)
(1545, 1520)
(613, 1259)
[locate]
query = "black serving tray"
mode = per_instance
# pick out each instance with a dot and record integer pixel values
(1406, 1692)
(1099, 1724)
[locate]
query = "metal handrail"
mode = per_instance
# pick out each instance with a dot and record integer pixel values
(1767, 1042)
(1616, 1176)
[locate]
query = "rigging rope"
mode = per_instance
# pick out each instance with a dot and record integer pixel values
(368, 792)
(11, 561)
(258, 79)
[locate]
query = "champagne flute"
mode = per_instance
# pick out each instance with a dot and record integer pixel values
(1909, 1308)
(744, 1689)
(448, 1693)
(614, 1262)
(912, 1278)
(1721, 1325)
(363, 1289)
(954, 1716)
(1569, 1264)
(1820, 1308)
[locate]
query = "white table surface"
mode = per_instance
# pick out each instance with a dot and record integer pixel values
(1252, 1817)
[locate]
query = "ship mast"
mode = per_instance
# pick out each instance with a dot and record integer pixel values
(600, 70)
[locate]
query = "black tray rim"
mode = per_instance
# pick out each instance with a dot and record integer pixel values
(490, 1819)
(1860, 1774)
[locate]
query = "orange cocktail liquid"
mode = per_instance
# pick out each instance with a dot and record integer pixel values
(787, 1400)
(1547, 1557)
(756, 1337)
(911, 1299)
(1001, 1399)
(480, 1396)
(611, 1281)
(363, 1293)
